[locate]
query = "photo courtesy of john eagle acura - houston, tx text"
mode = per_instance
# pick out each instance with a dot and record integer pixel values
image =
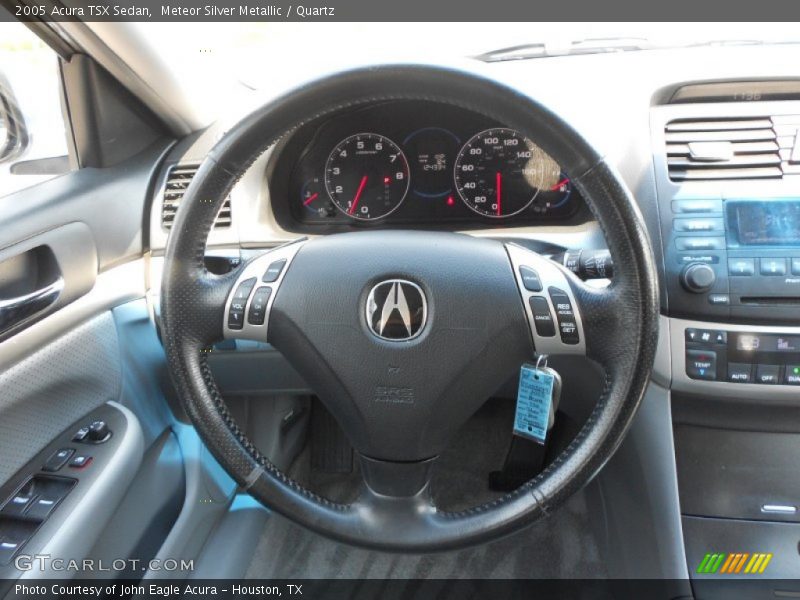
(315, 303)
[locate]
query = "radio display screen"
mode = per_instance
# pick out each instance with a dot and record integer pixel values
(764, 222)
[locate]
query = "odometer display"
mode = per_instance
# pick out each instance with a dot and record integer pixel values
(499, 172)
(366, 176)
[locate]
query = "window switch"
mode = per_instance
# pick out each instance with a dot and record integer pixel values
(81, 434)
(16, 505)
(58, 459)
(41, 508)
(7, 550)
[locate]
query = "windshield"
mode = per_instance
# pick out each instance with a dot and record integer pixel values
(259, 55)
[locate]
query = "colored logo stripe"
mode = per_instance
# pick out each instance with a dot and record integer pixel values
(734, 563)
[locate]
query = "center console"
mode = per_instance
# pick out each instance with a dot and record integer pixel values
(728, 186)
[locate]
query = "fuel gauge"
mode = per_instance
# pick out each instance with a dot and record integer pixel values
(315, 199)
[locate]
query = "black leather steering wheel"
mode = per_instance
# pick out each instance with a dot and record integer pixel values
(399, 402)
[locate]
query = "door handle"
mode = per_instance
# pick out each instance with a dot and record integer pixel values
(14, 311)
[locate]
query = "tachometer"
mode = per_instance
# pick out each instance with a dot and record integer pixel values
(366, 176)
(499, 172)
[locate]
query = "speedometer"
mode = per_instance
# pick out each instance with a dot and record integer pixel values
(499, 172)
(366, 176)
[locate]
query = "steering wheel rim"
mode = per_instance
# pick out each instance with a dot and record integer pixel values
(402, 517)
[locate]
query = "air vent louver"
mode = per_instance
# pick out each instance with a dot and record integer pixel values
(732, 148)
(178, 179)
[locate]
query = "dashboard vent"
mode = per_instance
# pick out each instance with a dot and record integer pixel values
(733, 148)
(178, 179)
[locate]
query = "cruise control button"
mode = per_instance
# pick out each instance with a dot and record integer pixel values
(740, 372)
(741, 267)
(772, 267)
(258, 306)
(767, 374)
(567, 325)
(274, 271)
(530, 279)
(58, 459)
(542, 318)
(701, 364)
(792, 375)
(239, 301)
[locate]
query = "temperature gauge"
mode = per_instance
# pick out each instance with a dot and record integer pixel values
(315, 199)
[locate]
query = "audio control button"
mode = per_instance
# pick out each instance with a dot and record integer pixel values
(719, 299)
(701, 364)
(740, 372)
(767, 374)
(700, 243)
(741, 267)
(775, 267)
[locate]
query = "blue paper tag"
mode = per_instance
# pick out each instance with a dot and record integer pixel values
(534, 397)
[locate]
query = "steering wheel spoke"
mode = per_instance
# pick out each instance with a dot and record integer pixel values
(547, 291)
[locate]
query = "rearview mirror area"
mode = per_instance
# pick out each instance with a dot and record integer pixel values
(14, 138)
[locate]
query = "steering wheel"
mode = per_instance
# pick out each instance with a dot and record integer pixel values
(463, 316)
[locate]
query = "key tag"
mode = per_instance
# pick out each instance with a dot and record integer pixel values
(537, 400)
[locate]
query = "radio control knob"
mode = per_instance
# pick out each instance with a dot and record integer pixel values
(698, 278)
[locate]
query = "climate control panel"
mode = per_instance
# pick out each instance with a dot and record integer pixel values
(743, 357)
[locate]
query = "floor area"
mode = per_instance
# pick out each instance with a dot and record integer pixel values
(563, 545)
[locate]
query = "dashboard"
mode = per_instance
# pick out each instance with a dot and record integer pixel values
(419, 165)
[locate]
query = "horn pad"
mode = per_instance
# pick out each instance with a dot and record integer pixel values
(402, 334)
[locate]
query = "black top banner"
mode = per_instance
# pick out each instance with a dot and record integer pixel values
(445, 11)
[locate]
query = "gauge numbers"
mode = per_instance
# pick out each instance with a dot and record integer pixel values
(366, 176)
(499, 172)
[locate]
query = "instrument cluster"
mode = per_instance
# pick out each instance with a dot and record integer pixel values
(416, 164)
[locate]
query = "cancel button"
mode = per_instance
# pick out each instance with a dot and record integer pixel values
(740, 372)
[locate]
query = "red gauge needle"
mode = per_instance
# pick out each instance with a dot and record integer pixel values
(357, 197)
(310, 199)
(564, 181)
(499, 185)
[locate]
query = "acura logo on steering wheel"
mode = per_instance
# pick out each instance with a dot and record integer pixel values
(396, 310)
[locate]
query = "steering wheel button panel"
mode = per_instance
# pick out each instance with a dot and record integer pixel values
(540, 308)
(274, 271)
(258, 306)
(271, 268)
